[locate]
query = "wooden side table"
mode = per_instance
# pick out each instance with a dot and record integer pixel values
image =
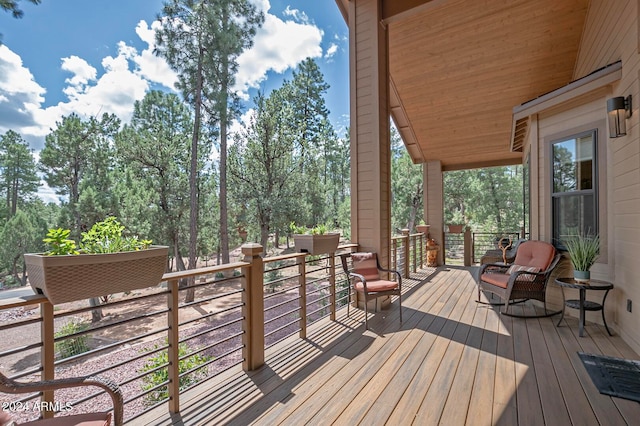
(582, 304)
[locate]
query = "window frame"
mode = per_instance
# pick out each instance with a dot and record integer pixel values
(526, 196)
(555, 196)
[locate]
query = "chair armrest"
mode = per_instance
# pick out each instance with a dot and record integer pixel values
(517, 274)
(539, 278)
(499, 267)
(11, 386)
(361, 278)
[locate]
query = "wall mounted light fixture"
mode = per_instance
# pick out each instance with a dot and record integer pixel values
(618, 110)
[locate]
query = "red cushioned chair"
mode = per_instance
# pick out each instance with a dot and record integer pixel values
(526, 278)
(365, 278)
(90, 419)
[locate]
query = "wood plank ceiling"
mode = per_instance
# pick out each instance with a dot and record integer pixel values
(458, 67)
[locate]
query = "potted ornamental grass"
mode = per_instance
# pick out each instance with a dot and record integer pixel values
(583, 251)
(106, 261)
(316, 240)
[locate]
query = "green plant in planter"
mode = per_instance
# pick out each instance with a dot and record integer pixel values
(303, 230)
(104, 262)
(103, 237)
(316, 240)
(59, 243)
(583, 251)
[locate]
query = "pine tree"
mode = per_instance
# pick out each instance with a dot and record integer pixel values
(154, 147)
(201, 41)
(19, 178)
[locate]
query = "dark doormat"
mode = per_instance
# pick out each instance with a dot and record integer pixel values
(614, 376)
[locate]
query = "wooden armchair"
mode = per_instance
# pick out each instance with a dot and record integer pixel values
(364, 276)
(526, 278)
(91, 419)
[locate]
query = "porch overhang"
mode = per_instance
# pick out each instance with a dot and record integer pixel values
(457, 68)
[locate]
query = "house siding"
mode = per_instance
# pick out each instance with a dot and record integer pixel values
(610, 34)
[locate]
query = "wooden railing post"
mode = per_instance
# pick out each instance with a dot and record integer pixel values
(302, 282)
(468, 247)
(47, 355)
(253, 308)
(394, 254)
(173, 352)
(407, 254)
(332, 284)
(422, 249)
(414, 254)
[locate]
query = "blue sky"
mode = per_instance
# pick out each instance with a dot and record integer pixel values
(95, 56)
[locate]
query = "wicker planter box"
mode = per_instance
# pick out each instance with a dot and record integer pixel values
(456, 228)
(77, 277)
(423, 229)
(316, 244)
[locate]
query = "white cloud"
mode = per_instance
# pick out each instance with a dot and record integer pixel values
(238, 126)
(115, 91)
(296, 14)
(278, 46)
(83, 72)
(122, 80)
(262, 5)
(152, 67)
(20, 95)
(332, 50)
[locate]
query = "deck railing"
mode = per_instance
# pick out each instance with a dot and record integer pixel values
(408, 252)
(467, 248)
(156, 345)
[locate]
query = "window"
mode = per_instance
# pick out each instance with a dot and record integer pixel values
(574, 192)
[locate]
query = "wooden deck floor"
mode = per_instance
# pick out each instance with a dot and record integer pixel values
(451, 362)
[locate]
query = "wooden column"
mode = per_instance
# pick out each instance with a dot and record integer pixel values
(47, 355)
(370, 144)
(253, 308)
(468, 247)
(173, 352)
(434, 203)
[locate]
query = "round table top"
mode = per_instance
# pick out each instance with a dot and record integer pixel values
(589, 285)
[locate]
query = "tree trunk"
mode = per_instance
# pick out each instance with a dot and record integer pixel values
(264, 234)
(24, 274)
(96, 314)
(193, 180)
(180, 266)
